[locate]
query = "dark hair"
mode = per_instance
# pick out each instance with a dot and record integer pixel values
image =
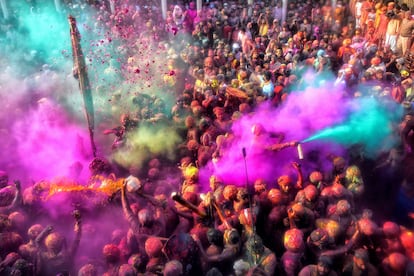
(268, 75)
(214, 236)
(390, 14)
(362, 254)
(214, 272)
(325, 261)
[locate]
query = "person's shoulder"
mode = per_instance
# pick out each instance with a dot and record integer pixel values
(333, 273)
(307, 270)
(372, 270)
(347, 270)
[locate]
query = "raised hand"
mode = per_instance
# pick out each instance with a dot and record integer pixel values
(77, 215)
(17, 184)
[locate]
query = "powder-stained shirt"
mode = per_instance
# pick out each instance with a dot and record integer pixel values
(393, 26)
(406, 27)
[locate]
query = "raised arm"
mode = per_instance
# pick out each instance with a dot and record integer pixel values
(299, 182)
(129, 215)
(78, 234)
(39, 239)
(343, 249)
(38, 242)
(18, 198)
(280, 146)
(226, 254)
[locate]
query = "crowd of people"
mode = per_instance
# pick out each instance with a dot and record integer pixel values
(224, 62)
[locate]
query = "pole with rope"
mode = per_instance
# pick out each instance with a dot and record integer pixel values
(80, 72)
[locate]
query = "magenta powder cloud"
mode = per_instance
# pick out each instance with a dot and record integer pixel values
(319, 106)
(48, 143)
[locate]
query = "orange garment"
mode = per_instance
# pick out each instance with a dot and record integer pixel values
(366, 7)
(345, 52)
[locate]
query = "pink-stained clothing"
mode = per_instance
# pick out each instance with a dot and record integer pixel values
(381, 29)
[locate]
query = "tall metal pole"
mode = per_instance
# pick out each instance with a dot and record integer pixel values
(164, 9)
(284, 10)
(58, 6)
(4, 9)
(81, 74)
(199, 5)
(112, 6)
(333, 7)
(250, 201)
(249, 7)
